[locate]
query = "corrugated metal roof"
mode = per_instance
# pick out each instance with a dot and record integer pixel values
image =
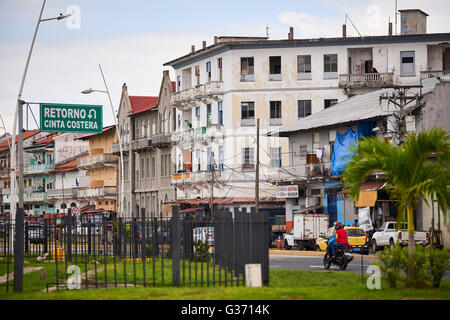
(360, 107)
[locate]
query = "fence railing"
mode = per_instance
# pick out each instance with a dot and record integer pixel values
(145, 251)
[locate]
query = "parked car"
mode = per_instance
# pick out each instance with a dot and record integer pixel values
(357, 239)
(388, 235)
(205, 234)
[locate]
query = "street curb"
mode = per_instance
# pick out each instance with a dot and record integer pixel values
(312, 253)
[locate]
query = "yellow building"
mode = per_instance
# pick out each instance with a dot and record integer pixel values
(102, 167)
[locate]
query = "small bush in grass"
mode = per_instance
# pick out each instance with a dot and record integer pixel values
(438, 264)
(202, 253)
(391, 260)
(418, 276)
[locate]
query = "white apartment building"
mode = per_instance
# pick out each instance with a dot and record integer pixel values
(223, 88)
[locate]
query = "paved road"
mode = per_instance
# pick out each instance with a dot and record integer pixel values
(302, 262)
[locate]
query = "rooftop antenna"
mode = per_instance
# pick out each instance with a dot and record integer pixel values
(267, 31)
(347, 17)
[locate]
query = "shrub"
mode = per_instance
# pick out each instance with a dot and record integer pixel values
(416, 268)
(438, 265)
(201, 249)
(391, 260)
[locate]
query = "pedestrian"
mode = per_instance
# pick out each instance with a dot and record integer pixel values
(355, 224)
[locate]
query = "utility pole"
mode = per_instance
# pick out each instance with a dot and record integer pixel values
(257, 169)
(401, 99)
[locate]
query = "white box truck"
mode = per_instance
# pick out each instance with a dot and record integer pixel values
(307, 228)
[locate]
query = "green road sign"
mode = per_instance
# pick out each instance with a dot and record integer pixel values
(56, 117)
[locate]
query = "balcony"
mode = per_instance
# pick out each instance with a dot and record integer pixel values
(98, 193)
(161, 139)
(205, 93)
(299, 173)
(39, 168)
(70, 193)
(97, 161)
(198, 177)
(202, 135)
(370, 80)
(28, 196)
(433, 74)
(126, 147)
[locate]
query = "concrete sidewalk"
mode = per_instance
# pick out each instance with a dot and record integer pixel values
(312, 253)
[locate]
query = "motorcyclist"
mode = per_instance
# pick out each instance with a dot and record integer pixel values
(341, 238)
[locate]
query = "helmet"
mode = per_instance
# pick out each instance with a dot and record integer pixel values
(339, 225)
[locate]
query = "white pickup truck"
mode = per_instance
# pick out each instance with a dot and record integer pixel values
(388, 235)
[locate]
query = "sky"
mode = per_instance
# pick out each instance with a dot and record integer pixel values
(133, 39)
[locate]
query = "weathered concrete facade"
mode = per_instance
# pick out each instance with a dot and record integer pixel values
(219, 84)
(146, 123)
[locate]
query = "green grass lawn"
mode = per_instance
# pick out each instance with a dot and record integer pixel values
(284, 285)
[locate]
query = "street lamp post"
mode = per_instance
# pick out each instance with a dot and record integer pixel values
(18, 218)
(89, 91)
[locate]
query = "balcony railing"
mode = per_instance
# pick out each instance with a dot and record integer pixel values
(365, 80)
(434, 74)
(301, 172)
(69, 193)
(39, 168)
(96, 161)
(98, 193)
(187, 98)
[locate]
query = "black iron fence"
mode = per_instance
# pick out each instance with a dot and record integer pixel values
(180, 250)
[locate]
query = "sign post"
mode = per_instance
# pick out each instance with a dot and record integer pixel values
(56, 117)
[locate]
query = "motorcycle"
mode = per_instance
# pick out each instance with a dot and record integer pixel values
(341, 259)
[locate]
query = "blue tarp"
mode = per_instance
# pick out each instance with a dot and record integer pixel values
(341, 153)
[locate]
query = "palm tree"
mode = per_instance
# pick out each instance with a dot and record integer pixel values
(416, 169)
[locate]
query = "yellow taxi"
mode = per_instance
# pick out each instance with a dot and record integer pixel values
(357, 239)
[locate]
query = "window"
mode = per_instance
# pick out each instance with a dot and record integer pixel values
(247, 69)
(304, 67)
(210, 155)
(219, 113)
(142, 169)
(137, 179)
(208, 114)
(275, 113)
(329, 102)
(197, 75)
(147, 161)
(248, 113)
(304, 108)
(163, 166)
(137, 132)
(407, 63)
(330, 66)
(219, 69)
(178, 83)
(275, 157)
(197, 156)
(248, 157)
(197, 112)
(220, 157)
(125, 170)
(153, 167)
(303, 151)
(275, 68)
(208, 71)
